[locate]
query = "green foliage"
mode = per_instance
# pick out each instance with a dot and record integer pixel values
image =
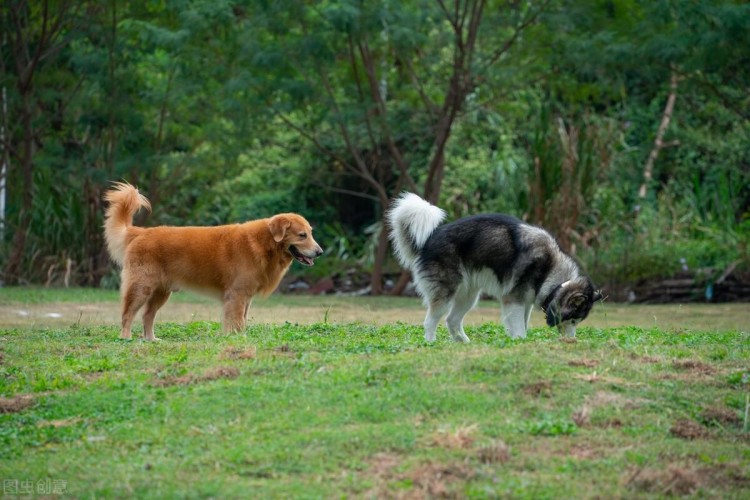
(226, 111)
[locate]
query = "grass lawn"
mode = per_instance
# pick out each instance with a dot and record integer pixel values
(315, 406)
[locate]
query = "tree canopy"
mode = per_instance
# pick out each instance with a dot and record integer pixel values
(620, 125)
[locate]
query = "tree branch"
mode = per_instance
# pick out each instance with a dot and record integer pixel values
(516, 33)
(659, 141)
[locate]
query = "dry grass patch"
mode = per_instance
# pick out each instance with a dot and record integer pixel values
(672, 481)
(461, 438)
(693, 366)
(610, 423)
(434, 480)
(721, 416)
(596, 377)
(495, 452)
(583, 452)
(382, 464)
(64, 422)
(582, 416)
(16, 403)
(686, 480)
(587, 363)
(284, 350)
(217, 373)
(687, 429)
(237, 352)
(644, 359)
(538, 389)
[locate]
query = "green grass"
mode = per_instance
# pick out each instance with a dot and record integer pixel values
(44, 295)
(353, 410)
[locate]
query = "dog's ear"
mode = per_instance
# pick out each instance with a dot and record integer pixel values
(278, 226)
(577, 300)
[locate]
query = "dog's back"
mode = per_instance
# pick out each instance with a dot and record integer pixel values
(519, 255)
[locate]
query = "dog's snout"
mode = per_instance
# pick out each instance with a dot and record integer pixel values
(318, 251)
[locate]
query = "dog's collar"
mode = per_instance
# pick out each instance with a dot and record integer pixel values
(551, 296)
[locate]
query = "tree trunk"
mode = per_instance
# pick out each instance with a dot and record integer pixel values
(659, 144)
(381, 252)
(18, 246)
(400, 285)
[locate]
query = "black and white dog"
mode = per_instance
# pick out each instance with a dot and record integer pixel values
(497, 254)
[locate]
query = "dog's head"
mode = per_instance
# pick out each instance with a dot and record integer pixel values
(295, 234)
(571, 303)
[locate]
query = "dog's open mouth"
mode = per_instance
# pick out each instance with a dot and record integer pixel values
(302, 259)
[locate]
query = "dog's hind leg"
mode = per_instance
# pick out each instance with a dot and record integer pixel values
(154, 303)
(463, 302)
(514, 316)
(435, 311)
(133, 298)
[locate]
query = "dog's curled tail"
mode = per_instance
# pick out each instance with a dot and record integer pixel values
(124, 201)
(412, 221)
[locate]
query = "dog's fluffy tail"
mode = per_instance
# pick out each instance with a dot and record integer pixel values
(412, 221)
(124, 201)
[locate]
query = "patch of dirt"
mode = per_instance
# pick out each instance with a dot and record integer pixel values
(611, 423)
(495, 452)
(284, 350)
(237, 352)
(587, 363)
(644, 358)
(582, 452)
(594, 377)
(582, 416)
(604, 398)
(382, 467)
(672, 481)
(693, 366)
(721, 416)
(431, 480)
(2, 357)
(220, 372)
(16, 403)
(434, 480)
(728, 475)
(208, 376)
(685, 479)
(460, 439)
(65, 422)
(687, 429)
(568, 340)
(382, 464)
(589, 377)
(538, 389)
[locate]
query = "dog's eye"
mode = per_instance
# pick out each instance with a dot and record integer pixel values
(303, 235)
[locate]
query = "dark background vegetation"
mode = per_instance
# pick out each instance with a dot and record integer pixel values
(622, 126)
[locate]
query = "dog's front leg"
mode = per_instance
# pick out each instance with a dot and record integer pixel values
(527, 315)
(235, 307)
(514, 319)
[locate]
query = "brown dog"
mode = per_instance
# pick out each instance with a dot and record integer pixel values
(232, 262)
